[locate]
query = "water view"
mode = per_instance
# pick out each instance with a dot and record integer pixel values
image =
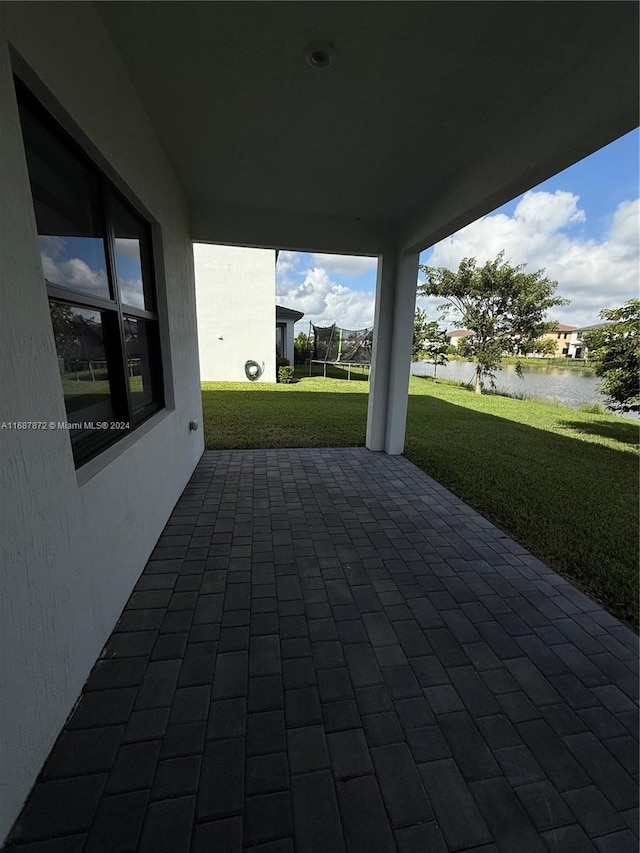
(564, 385)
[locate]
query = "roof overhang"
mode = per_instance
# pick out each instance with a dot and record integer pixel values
(283, 314)
(432, 114)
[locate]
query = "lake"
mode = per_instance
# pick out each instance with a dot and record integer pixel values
(571, 387)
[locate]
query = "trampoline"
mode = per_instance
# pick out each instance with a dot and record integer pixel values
(343, 347)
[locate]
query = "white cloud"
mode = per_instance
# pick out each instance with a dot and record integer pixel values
(325, 301)
(287, 262)
(592, 274)
(344, 264)
(546, 211)
(131, 291)
(76, 274)
(51, 246)
(128, 247)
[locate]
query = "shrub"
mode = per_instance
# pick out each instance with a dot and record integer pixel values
(285, 374)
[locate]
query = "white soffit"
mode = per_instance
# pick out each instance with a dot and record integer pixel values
(417, 91)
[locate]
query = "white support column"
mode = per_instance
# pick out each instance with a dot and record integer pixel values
(381, 359)
(393, 335)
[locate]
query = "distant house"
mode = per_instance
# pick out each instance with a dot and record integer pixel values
(454, 337)
(238, 320)
(577, 346)
(561, 337)
(286, 318)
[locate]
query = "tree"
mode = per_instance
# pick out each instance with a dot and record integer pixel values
(502, 305)
(64, 323)
(615, 352)
(302, 348)
(542, 347)
(436, 346)
(420, 335)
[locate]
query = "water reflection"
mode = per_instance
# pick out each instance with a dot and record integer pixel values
(563, 385)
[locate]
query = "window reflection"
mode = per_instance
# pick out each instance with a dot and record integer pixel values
(141, 370)
(131, 246)
(68, 211)
(81, 339)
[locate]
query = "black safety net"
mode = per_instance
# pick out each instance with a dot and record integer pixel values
(334, 345)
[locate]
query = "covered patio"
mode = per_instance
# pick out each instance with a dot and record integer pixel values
(328, 651)
(325, 649)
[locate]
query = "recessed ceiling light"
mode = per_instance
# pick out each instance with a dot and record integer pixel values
(320, 54)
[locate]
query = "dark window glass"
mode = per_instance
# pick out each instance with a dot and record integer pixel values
(96, 256)
(131, 240)
(66, 198)
(84, 343)
(140, 344)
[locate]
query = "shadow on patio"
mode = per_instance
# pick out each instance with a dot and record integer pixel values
(328, 651)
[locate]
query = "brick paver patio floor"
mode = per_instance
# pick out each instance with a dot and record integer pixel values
(329, 652)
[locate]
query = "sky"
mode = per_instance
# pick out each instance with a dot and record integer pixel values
(80, 263)
(581, 227)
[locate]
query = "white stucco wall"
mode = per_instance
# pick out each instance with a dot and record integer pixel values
(289, 338)
(235, 294)
(73, 544)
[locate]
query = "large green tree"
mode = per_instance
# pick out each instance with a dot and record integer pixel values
(614, 350)
(502, 305)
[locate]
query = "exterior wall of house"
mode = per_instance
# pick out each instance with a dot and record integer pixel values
(577, 347)
(289, 337)
(73, 543)
(561, 340)
(236, 298)
(454, 340)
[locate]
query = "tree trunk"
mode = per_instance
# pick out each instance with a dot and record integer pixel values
(478, 379)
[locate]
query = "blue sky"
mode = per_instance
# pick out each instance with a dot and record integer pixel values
(581, 226)
(79, 263)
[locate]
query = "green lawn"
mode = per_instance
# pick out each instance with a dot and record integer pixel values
(561, 482)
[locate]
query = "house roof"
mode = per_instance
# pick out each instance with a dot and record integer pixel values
(459, 333)
(564, 328)
(593, 326)
(288, 313)
(393, 142)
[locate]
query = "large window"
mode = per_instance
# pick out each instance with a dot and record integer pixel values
(98, 272)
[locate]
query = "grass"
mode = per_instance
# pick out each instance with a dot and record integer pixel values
(562, 482)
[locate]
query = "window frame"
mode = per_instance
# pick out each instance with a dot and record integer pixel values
(89, 447)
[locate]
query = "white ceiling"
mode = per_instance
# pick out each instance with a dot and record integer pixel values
(418, 93)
